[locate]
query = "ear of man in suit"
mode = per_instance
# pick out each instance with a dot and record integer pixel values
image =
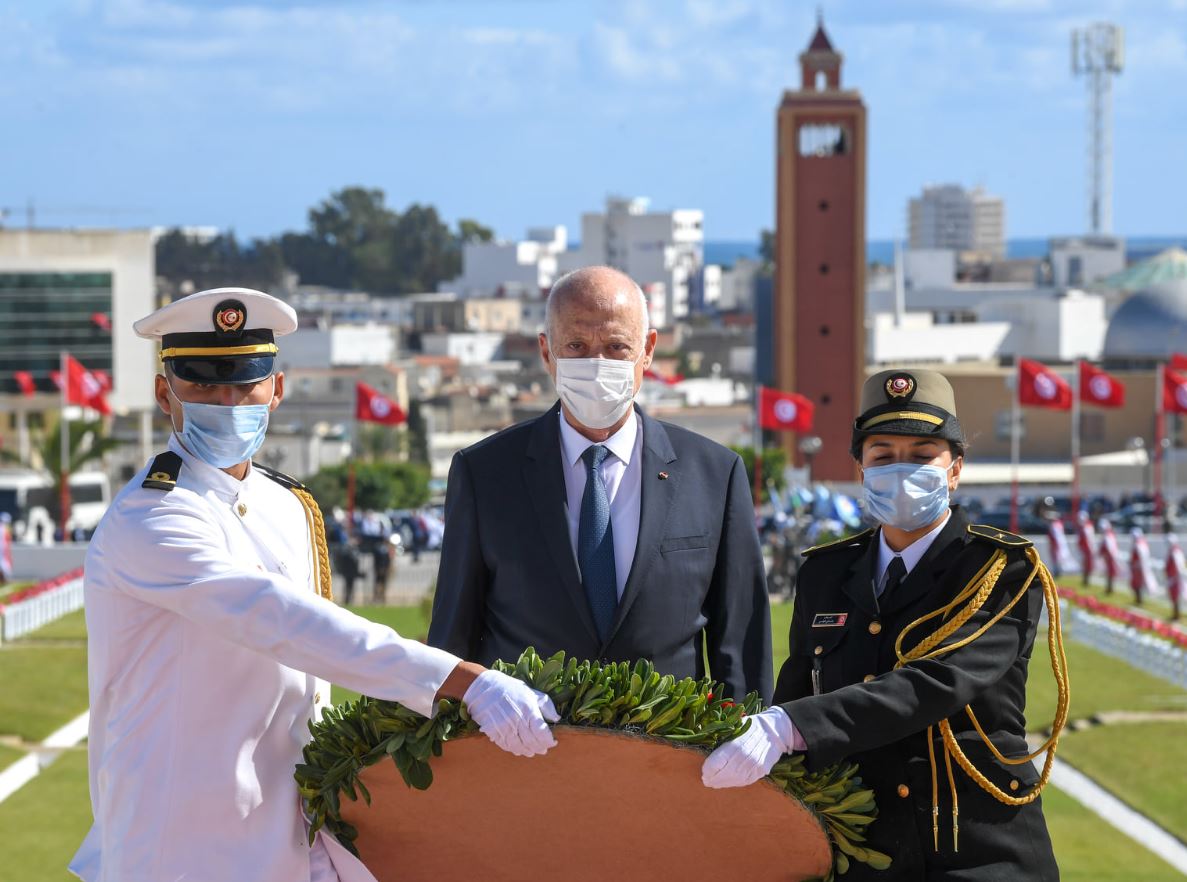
(686, 581)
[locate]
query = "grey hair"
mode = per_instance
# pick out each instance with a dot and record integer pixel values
(573, 277)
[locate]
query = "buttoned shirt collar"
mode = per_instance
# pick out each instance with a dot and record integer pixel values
(621, 443)
(912, 554)
(217, 480)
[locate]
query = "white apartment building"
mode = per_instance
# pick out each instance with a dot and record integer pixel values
(948, 216)
(510, 269)
(653, 247)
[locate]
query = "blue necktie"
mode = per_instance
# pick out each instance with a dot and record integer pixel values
(595, 544)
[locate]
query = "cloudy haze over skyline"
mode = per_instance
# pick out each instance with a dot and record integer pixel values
(244, 114)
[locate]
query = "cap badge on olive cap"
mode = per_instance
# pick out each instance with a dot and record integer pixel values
(900, 386)
(224, 336)
(919, 403)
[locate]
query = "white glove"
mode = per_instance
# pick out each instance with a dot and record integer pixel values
(511, 713)
(751, 755)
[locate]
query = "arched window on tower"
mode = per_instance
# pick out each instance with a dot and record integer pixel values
(823, 139)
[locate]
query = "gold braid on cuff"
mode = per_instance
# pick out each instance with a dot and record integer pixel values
(973, 596)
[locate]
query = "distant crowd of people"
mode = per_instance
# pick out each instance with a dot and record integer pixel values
(370, 541)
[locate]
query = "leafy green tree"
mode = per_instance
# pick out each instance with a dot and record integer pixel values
(774, 461)
(472, 231)
(766, 252)
(377, 486)
(182, 259)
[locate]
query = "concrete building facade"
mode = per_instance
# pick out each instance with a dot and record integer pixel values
(948, 216)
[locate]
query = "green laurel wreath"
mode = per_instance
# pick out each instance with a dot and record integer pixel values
(629, 698)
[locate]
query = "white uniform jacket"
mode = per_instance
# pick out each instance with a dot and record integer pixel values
(206, 639)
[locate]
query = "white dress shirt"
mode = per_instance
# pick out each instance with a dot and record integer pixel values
(206, 636)
(620, 476)
(911, 555)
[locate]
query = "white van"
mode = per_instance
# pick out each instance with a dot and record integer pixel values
(28, 497)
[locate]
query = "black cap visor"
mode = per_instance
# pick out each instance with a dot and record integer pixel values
(223, 370)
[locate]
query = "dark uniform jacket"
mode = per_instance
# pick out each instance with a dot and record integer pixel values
(842, 693)
(509, 578)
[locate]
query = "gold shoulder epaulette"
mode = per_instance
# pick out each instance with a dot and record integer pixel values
(162, 474)
(999, 537)
(843, 542)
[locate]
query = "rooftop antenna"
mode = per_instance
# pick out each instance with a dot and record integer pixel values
(1098, 53)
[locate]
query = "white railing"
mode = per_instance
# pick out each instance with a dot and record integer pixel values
(1144, 651)
(20, 618)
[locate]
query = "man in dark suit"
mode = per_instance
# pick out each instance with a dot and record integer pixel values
(846, 693)
(597, 530)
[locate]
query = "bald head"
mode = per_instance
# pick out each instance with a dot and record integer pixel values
(597, 290)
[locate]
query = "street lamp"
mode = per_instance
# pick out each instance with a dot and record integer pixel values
(809, 446)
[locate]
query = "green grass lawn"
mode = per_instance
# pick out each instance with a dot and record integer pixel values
(1122, 595)
(8, 756)
(12, 588)
(42, 688)
(1098, 683)
(53, 814)
(1089, 850)
(1131, 761)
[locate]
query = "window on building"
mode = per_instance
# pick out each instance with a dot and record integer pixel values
(43, 315)
(823, 139)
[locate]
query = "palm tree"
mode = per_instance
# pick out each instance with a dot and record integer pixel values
(86, 443)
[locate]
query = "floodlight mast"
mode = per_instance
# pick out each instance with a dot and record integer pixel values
(1098, 53)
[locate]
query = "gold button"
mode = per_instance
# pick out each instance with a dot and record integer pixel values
(904, 791)
(819, 650)
(316, 697)
(242, 509)
(867, 678)
(875, 627)
(1014, 785)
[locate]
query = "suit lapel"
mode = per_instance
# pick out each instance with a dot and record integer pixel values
(545, 480)
(859, 586)
(931, 566)
(656, 498)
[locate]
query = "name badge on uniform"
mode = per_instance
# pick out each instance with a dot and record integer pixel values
(829, 620)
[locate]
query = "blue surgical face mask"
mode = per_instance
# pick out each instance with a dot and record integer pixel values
(223, 435)
(905, 494)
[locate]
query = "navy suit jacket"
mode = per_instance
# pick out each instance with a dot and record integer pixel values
(697, 589)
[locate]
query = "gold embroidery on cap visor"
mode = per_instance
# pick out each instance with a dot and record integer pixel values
(902, 415)
(217, 351)
(900, 387)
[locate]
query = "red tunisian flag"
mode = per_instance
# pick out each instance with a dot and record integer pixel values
(1100, 388)
(24, 381)
(82, 386)
(1174, 391)
(785, 411)
(1178, 361)
(1039, 386)
(371, 406)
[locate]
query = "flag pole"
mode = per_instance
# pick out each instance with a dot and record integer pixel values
(757, 445)
(1159, 434)
(1076, 391)
(1015, 441)
(354, 446)
(64, 444)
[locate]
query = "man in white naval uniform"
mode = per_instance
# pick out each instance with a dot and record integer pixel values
(207, 633)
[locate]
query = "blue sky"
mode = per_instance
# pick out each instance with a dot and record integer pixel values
(243, 114)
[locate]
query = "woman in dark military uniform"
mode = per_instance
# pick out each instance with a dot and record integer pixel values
(909, 651)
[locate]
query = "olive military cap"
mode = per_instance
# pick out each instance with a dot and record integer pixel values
(223, 336)
(907, 402)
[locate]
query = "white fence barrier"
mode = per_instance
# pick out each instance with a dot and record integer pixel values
(1144, 651)
(27, 615)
